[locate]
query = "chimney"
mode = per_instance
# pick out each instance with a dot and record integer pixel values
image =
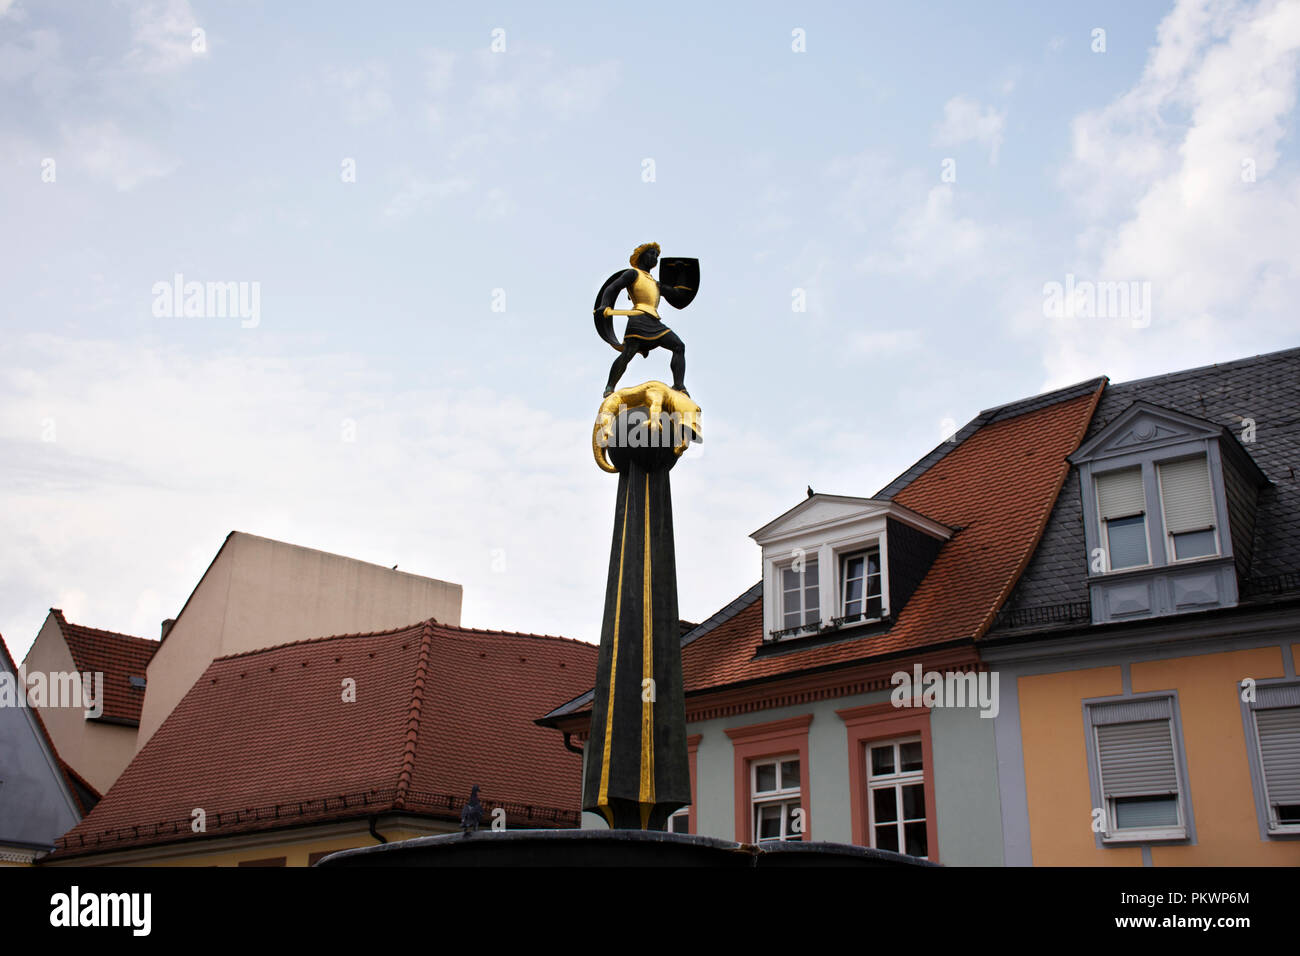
(167, 626)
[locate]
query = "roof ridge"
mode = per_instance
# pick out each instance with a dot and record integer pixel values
(500, 633)
(1187, 372)
(323, 639)
(64, 622)
(1043, 399)
(413, 718)
(398, 630)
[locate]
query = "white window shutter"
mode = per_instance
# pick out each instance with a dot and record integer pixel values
(1120, 495)
(1279, 748)
(1185, 487)
(1137, 759)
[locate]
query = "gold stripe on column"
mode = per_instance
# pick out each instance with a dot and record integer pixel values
(602, 799)
(647, 673)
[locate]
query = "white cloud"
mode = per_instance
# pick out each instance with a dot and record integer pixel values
(1158, 178)
(160, 452)
(503, 86)
(578, 90)
(886, 342)
(497, 204)
(163, 37)
(438, 75)
(114, 156)
(36, 53)
(965, 121)
(420, 195)
(363, 92)
(932, 239)
(914, 226)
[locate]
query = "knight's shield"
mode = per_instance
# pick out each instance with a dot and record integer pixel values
(679, 280)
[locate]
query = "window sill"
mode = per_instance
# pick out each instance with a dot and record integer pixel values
(1165, 834)
(1122, 572)
(834, 625)
(826, 634)
(1119, 574)
(1184, 562)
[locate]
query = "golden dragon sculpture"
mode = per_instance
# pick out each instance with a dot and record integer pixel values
(656, 398)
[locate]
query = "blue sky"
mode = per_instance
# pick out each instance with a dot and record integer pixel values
(131, 444)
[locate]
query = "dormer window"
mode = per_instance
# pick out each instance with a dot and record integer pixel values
(860, 585)
(1188, 508)
(833, 563)
(1122, 507)
(800, 594)
(1161, 539)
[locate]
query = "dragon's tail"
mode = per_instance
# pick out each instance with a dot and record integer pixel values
(602, 460)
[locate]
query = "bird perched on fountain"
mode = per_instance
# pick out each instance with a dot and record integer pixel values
(471, 813)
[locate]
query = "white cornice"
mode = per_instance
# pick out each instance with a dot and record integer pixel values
(854, 513)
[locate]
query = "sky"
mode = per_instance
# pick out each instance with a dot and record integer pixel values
(419, 202)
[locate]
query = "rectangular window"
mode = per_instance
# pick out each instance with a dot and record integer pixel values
(1137, 768)
(800, 596)
(860, 586)
(1276, 718)
(1188, 508)
(774, 789)
(1121, 506)
(680, 822)
(896, 796)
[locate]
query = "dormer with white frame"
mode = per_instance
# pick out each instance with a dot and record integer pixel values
(1169, 509)
(834, 562)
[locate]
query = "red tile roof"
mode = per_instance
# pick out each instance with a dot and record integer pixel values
(265, 740)
(998, 486)
(118, 657)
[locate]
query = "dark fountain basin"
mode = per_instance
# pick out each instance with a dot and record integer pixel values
(608, 848)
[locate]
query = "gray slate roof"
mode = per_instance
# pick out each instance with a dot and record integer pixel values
(1265, 388)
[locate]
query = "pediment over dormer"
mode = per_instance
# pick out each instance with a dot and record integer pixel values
(1141, 427)
(834, 562)
(827, 512)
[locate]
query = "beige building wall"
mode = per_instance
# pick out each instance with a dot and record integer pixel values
(98, 751)
(259, 593)
(295, 845)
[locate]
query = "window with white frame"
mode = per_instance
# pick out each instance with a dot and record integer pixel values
(800, 594)
(774, 791)
(680, 822)
(896, 796)
(1121, 507)
(1188, 508)
(860, 585)
(1275, 714)
(1135, 760)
